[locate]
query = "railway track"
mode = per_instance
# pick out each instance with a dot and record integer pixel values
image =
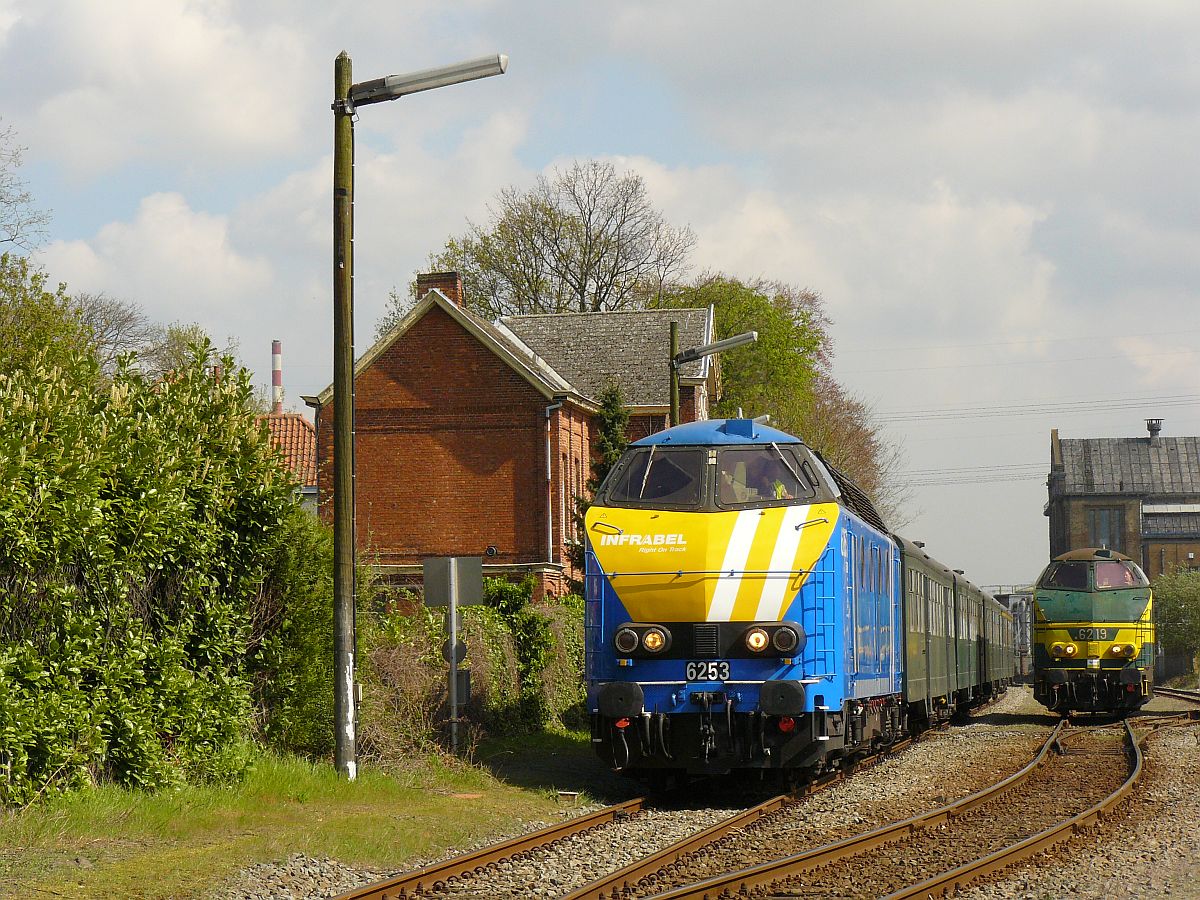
(1178, 694)
(438, 876)
(959, 841)
(471, 871)
(715, 859)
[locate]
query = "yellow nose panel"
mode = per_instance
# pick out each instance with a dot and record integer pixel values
(709, 567)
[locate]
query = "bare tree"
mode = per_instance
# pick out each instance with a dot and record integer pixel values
(20, 223)
(585, 240)
(117, 326)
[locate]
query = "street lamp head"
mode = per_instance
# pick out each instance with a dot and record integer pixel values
(394, 86)
(693, 353)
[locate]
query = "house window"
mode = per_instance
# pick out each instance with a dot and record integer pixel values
(1106, 527)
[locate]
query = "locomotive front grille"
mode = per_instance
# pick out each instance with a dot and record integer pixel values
(704, 640)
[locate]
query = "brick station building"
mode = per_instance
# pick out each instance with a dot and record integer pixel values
(473, 438)
(1139, 496)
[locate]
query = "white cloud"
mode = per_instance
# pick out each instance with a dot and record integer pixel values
(167, 78)
(175, 262)
(8, 18)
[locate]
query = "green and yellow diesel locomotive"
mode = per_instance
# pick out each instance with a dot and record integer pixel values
(1093, 643)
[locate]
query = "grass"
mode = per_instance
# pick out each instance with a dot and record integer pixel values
(108, 842)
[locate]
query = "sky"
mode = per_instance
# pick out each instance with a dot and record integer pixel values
(998, 202)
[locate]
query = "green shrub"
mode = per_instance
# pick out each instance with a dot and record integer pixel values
(526, 664)
(291, 644)
(138, 521)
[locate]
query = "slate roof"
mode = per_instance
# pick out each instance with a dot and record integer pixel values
(296, 439)
(1131, 466)
(632, 346)
(576, 353)
(1170, 525)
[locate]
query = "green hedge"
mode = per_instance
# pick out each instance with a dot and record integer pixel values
(139, 520)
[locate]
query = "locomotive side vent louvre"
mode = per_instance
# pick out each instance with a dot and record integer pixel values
(704, 640)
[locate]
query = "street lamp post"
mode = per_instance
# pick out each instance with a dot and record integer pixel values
(347, 96)
(691, 354)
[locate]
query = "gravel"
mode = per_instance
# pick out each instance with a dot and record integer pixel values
(1150, 849)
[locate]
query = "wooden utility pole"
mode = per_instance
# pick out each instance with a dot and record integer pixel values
(345, 752)
(674, 374)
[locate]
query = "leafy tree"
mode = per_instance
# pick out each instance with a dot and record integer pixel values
(776, 373)
(583, 240)
(1177, 611)
(37, 322)
(20, 223)
(786, 374)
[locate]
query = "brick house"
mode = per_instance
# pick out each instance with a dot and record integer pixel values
(1139, 496)
(473, 438)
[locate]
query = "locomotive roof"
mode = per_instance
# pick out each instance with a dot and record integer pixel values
(1091, 553)
(719, 431)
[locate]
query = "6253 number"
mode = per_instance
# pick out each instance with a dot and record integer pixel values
(707, 671)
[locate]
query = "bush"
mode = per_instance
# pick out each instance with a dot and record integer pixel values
(138, 521)
(526, 665)
(291, 643)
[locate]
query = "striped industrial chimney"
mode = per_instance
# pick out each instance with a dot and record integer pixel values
(277, 377)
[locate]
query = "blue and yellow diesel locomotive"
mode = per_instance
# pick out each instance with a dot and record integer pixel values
(1093, 648)
(747, 609)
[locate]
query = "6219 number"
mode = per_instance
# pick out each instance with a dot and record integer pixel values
(707, 671)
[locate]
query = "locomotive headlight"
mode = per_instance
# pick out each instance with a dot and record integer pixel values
(1057, 648)
(625, 640)
(757, 640)
(785, 639)
(654, 640)
(1131, 650)
(1070, 650)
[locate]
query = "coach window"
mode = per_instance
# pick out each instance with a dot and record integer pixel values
(655, 477)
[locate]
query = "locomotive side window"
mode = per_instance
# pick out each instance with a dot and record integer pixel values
(654, 477)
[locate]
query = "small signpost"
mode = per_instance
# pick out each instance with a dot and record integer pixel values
(454, 581)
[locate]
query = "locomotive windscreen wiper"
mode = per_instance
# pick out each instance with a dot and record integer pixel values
(646, 474)
(795, 474)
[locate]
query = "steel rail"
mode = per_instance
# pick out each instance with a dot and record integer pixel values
(476, 862)
(1178, 694)
(959, 877)
(622, 879)
(634, 871)
(778, 869)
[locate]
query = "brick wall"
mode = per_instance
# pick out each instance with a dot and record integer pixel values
(450, 451)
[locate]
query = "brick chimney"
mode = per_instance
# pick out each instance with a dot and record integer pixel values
(449, 283)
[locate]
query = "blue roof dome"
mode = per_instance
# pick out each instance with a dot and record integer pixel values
(719, 431)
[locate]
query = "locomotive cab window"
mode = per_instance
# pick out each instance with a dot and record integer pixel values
(652, 476)
(760, 475)
(1067, 576)
(1117, 575)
